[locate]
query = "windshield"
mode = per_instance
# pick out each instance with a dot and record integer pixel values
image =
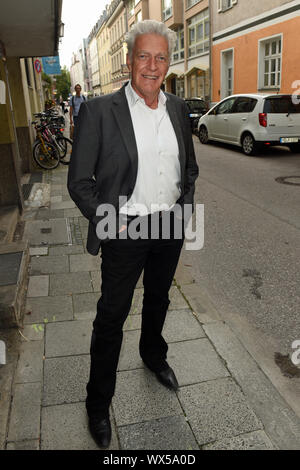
(288, 104)
(196, 106)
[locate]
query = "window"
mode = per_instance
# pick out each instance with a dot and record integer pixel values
(282, 105)
(130, 8)
(224, 5)
(190, 3)
(270, 63)
(27, 72)
(178, 52)
(226, 106)
(167, 9)
(244, 105)
(198, 31)
(139, 17)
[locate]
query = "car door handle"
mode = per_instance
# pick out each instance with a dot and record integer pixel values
(225, 119)
(244, 119)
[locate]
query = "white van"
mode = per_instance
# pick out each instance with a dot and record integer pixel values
(252, 121)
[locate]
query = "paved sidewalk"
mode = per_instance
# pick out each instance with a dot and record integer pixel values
(224, 401)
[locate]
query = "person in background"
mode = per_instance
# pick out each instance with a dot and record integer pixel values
(75, 103)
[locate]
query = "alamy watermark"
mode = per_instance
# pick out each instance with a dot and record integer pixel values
(296, 93)
(160, 223)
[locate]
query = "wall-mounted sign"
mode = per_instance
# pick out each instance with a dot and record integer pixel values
(51, 65)
(38, 66)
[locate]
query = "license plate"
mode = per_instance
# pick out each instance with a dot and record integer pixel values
(288, 140)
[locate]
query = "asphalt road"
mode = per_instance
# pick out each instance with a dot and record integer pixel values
(250, 260)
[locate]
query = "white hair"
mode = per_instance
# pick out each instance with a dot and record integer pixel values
(150, 27)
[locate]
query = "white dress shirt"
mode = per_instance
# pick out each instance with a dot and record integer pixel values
(158, 178)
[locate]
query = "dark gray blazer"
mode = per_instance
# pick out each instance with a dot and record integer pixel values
(104, 157)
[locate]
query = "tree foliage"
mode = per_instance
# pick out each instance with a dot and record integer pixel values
(63, 83)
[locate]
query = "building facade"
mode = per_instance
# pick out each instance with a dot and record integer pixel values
(254, 52)
(117, 26)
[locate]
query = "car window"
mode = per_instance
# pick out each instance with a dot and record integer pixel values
(286, 104)
(244, 104)
(195, 105)
(225, 107)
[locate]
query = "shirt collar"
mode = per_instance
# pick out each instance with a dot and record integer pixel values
(133, 97)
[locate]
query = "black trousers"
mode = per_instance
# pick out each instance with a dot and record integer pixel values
(122, 264)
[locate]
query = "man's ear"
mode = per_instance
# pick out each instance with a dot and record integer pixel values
(128, 62)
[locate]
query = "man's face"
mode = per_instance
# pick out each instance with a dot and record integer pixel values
(149, 64)
(78, 90)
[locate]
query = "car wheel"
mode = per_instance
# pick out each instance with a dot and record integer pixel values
(249, 145)
(203, 135)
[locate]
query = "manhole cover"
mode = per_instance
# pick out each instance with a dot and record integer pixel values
(293, 180)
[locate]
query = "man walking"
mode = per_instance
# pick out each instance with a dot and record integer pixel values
(75, 103)
(135, 143)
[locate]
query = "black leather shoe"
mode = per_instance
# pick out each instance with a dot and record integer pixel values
(100, 430)
(168, 378)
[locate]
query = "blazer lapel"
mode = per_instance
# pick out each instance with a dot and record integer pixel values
(173, 113)
(122, 115)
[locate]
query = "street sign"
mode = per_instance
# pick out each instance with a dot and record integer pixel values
(38, 66)
(51, 65)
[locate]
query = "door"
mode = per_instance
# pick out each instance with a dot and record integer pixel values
(237, 121)
(219, 119)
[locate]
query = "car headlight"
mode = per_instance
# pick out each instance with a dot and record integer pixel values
(194, 115)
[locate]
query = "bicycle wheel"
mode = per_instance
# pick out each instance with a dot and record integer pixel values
(45, 156)
(65, 149)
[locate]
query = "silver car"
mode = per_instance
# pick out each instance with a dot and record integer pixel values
(252, 121)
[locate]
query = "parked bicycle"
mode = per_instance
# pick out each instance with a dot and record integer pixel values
(49, 132)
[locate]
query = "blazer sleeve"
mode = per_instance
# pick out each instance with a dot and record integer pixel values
(84, 159)
(191, 167)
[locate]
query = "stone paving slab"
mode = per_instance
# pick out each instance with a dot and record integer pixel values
(48, 265)
(72, 283)
(195, 361)
(151, 399)
(33, 332)
(65, 427)
(48, 309)
(85, 305)
(129, 355)
(84, 262)
(133, 322)
(24, 445)
(216, 410)
(96, 280)
(72, 212)
(177, 301)
(181, 325)
(65, 250)
(38, 251)
(63, 205)
(25, 413)
(47, 232)
(171, 433)
(256, 440)
(68, 338)
(38, 286)
(30, 365)
(65, 379)
(47, 214)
